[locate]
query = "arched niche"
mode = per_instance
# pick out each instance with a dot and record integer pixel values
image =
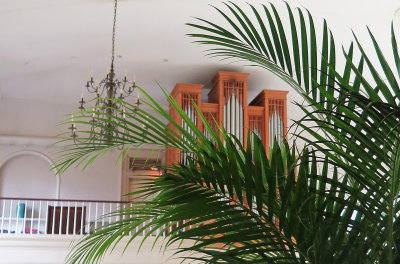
(37, 154)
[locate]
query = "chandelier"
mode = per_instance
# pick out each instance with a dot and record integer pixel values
(107, 104)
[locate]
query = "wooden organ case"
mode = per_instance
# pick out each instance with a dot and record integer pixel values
(266, 115)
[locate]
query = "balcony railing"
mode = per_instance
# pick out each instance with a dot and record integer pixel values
(58, 217)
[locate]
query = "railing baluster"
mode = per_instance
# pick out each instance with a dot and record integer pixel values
(39, 217)
(110, 218)
(125, 216)
(68, 216)
(24, 218)
(17, 218)
(61, 218)
(82, 215)
(164, 232)
(158, 231)
(32, 215)
(137, 227)
(103, 218)
(47, 215)
(95, 217)
(54, 218)
(2, 216)
(9, 218)
(88, 217)
(75, 218)
(120, 217)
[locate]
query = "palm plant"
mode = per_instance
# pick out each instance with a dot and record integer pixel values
(238, 194)
(357, 118)
(336, 203)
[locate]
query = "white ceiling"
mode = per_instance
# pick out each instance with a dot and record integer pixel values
(48, 48)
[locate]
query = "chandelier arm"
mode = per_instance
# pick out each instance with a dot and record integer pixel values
(102, 87)
(91, 88)
(128, 87)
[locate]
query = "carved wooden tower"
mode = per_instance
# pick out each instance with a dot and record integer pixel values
(227, 103)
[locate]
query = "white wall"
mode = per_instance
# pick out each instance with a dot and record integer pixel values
(27, 176)
(54, 249)
(100, 181)
(31, 176)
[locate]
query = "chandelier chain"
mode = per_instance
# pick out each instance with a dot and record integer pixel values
(113, 33)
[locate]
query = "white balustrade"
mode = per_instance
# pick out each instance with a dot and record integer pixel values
(57, 217)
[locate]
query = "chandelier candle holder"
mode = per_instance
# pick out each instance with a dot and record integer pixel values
(108, 103)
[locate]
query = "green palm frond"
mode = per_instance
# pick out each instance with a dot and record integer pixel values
(366, 148)
(238, 195)
(353, 118)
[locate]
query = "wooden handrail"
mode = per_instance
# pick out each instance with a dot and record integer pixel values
(61, 200)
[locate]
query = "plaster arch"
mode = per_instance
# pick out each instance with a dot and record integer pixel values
(36, 154)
